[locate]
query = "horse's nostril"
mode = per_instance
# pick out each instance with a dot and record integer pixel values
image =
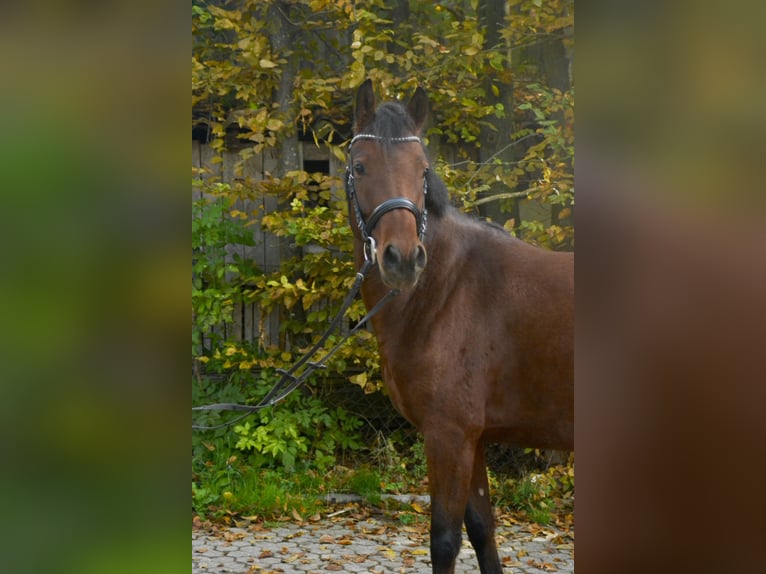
(392, 256)
(420, 257)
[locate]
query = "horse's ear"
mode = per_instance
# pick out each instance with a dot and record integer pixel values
(418, 108)
(365, 106)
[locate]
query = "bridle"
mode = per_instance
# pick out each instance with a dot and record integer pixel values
(366, 226)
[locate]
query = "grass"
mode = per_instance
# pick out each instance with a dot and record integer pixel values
(367, 484)
(225, 486)
(268, 494)
(413, 519)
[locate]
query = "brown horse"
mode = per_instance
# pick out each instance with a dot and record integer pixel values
(477, 346)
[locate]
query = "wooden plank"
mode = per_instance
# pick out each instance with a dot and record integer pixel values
(207, 157)
(271, 247)
(252, 171)
(271, 243)
(249, 323)
(311, 152)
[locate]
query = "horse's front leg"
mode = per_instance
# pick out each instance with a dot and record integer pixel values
(450, 457)
(479, 517)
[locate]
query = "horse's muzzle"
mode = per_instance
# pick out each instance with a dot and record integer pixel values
(399, 271)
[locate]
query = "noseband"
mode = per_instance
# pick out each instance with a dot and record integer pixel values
(366, 226)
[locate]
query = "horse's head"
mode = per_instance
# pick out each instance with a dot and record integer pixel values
(387, 184)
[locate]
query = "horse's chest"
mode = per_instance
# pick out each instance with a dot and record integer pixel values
(404, 393)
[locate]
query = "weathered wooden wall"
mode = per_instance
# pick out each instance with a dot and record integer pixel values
(248, 323)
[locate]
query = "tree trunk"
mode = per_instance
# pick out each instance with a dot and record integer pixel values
(495, 140)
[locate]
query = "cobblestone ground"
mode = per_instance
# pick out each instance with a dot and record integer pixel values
(370, 545)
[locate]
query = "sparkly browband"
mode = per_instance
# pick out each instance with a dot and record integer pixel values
(405, 139)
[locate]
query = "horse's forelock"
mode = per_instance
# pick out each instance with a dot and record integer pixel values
(392, 121)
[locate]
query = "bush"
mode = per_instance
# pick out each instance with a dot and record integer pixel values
(306, 436)
(537, 495)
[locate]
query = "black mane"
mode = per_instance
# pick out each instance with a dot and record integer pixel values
(437, 200)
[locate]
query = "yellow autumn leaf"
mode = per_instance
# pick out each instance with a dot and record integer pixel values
(265, 63)
(274, 124)
(417, 508)
(360, 379)
(390, 554)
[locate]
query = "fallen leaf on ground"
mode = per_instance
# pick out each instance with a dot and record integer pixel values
(390, 554)
(294, 557)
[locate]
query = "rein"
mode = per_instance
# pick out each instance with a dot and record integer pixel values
(291, 379)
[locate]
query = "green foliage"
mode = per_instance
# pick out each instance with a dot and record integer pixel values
(537, 495)
(216, 277)
(308, 435)
(203, 498)
(401, 464)
(531, 495)
(270, 464)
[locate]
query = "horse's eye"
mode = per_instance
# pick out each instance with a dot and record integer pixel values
(359, 168)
